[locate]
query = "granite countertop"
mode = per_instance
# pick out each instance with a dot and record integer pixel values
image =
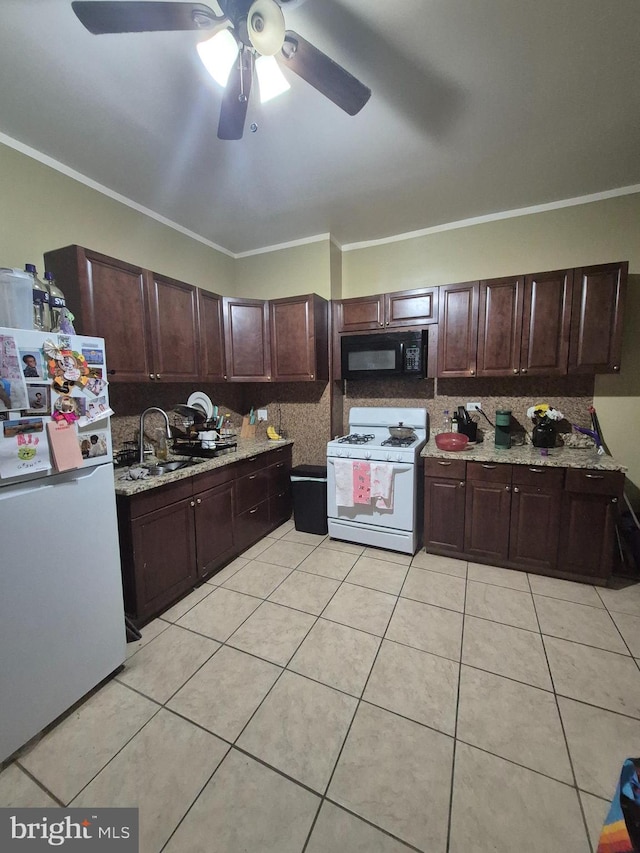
(246, 447)
(527, 454)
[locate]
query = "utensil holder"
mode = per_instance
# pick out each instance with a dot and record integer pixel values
(248, 430)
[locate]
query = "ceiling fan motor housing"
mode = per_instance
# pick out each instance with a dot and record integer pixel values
(265, 26)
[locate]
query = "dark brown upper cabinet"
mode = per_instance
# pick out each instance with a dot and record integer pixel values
(212, 365)
(247, 340)
(596, 318)
(404, 308)
(175, 335)
(458, 329)
(299, 350)
(524, 323)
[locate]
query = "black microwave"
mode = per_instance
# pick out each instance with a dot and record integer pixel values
(386, 354)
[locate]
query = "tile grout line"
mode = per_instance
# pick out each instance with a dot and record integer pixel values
(455, 729)
(355, 713)
(564, 735)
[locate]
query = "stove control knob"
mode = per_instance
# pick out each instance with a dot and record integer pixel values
(399, 457)
(388, 459)
(367, 454)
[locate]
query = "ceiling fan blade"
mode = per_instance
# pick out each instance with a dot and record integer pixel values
(324, 74)
(235, 100)
(130, 16)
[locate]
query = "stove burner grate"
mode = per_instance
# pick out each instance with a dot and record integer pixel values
(356, 438)
(398, 442)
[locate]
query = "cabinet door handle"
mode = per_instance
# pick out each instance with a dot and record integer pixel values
(252, 459)
(158, 376)
(255, 509)
(311, 375)
(192, 503)
(152, 376)
(461, 484)
(524, 370)
(252, 476)
(484, 465)
(594, 476)
(111, 372)
(516, 490)
(472, 372)
(440, 462)
(616, 367)
(507, 488)
(515, 370)
(280, 465)
(198, 500)
(537, 470)
(614, 500)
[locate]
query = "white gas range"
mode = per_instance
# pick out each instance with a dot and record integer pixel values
(374, 482)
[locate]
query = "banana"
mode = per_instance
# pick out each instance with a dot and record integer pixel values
(272, 434)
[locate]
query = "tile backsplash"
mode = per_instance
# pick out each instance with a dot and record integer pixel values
(302, 410)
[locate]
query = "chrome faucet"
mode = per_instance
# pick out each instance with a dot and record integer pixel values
(142, 417)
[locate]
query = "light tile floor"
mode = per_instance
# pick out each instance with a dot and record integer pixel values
(323, 697)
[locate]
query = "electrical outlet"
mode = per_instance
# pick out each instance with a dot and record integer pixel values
(262, 415)
(473, 407)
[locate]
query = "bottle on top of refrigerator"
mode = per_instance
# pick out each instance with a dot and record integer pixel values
(40, 294)
(57, 303)
(446, 422)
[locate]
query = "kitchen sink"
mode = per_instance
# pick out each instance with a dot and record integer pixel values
(161, 468)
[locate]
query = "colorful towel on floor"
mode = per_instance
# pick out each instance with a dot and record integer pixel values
(621, 830)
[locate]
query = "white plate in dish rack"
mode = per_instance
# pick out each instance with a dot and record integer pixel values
(200, 401)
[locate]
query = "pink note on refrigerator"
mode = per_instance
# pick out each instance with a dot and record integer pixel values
(63, 440)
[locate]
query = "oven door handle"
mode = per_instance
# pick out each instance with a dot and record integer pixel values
(398, 468)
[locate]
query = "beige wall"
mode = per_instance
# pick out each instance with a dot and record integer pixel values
(285, 272)
(584, 234)
(42, 209)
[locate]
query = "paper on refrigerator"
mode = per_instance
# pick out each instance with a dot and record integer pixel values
(24, 448)
(13, 388)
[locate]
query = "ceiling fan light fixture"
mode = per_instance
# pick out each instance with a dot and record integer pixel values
(266, 27)
(271, 80)
(218, 55)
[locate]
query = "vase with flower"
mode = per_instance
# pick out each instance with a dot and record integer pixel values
(544, 418)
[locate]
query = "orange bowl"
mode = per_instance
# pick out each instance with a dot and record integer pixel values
(451, 441)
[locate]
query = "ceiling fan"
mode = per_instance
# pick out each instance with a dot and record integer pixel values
(253, 30)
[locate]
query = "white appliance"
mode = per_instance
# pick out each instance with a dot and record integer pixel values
(62, 628)
(397, 526)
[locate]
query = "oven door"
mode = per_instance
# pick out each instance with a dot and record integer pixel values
(401, 516)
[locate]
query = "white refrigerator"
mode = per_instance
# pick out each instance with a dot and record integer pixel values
(62, 628)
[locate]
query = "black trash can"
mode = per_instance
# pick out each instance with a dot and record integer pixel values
(309, 492)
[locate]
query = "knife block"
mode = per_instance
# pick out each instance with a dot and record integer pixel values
(247, 430)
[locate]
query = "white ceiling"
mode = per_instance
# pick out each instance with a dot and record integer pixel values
(478, 106)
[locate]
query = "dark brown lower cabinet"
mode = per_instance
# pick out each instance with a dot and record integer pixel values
(589, 510)
(444, 495)
(487, 511)
(174, 537)
(552, 521)
(536, 498)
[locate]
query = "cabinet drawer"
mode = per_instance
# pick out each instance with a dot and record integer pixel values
(249, 465)
(454, 468)
(158, 498)
(490, 472)
(594, 482)
(538, 475)
(249, 491)
(279, 477)
(251, 525)
(211, 479)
